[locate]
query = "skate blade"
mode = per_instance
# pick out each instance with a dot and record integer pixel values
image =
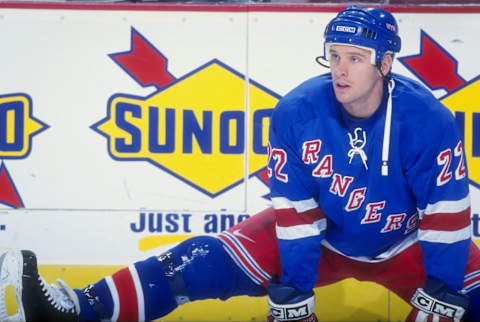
(11, 308)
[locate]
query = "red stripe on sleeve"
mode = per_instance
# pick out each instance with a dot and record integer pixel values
(289, 217)
(127, 295)
(446, 221)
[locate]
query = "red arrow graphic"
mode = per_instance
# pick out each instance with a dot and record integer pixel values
(434, 65)
(263, 175)
(148, 66)
(8, 193)
(144, 62)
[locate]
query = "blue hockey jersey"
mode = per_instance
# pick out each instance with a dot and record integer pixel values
(327, 186)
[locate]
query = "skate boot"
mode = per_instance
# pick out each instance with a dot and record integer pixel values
(36, 300)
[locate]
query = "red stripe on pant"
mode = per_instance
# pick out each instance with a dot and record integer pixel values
(127, 295)
(240, 256)
(471, 282)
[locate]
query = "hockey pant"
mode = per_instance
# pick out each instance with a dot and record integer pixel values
(241, 261)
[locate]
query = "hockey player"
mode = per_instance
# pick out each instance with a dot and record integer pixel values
(368, 180)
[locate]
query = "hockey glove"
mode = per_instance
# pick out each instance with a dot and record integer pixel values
(436, 300)
(288, 304)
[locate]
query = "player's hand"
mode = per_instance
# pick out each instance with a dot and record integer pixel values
(289, 304)
(436, 301)
(417, 315)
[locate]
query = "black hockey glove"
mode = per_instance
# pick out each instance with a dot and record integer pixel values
(436, 300)
(288, 304)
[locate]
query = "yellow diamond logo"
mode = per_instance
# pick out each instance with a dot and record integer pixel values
(198, 128)
(17, 126)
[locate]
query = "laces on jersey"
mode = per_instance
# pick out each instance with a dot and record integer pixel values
(357, 145)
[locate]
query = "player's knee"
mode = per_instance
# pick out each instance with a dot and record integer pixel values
(197, 253)
(192, 267)
(200, 268)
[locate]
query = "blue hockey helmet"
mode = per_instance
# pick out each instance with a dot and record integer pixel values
(371, 28)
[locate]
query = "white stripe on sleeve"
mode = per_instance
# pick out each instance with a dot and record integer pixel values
(447, 237)
(301, 231)
(446, 207)
(299, 206)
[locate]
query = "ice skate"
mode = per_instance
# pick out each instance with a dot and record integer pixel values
(36, 300)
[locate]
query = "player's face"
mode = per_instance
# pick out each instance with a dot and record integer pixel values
(358, 84)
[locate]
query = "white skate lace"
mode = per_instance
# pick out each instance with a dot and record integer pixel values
(58, 296)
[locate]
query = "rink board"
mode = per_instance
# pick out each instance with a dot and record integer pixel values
(127, 128)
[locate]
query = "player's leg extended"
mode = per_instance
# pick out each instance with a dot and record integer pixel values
(246, 256)
(238, 262)
(198, 268)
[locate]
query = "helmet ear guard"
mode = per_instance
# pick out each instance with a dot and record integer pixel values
(374, 29)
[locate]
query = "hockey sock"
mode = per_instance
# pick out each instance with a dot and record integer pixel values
(138, 292)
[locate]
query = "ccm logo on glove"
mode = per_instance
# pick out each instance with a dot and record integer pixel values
(290, 313)
(426, 303)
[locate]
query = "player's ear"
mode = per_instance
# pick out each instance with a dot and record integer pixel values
(386, 64)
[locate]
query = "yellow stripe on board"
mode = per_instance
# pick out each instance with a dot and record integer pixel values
(349, 300)
(10, 126)
(152, 242)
